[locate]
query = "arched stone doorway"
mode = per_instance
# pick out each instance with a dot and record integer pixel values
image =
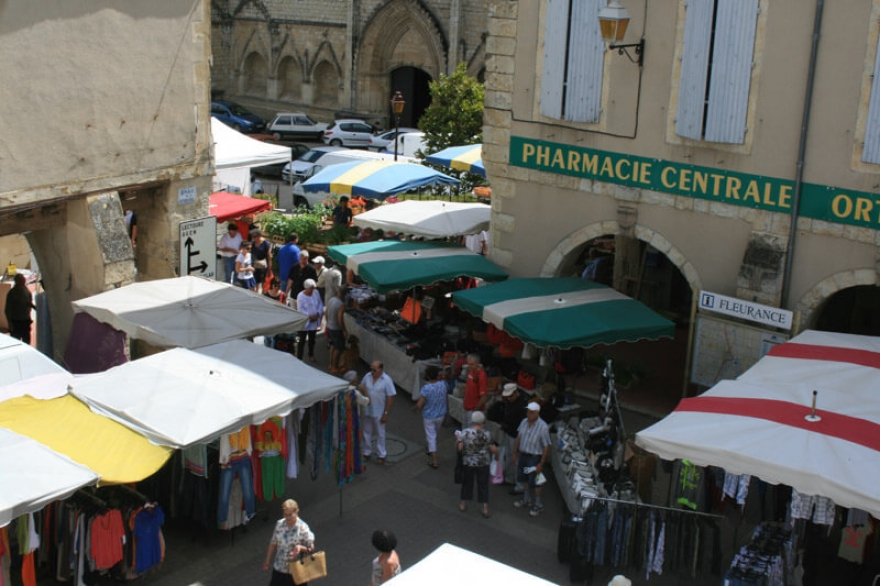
(327, 84)
(256, 73)
(413, 85)
(847, 302)
(290, 78)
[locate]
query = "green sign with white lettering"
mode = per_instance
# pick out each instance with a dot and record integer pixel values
(819, 202)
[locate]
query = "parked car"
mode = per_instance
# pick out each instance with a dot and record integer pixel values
(237, 117)
(288, 125)
(300, 167)
(351, 133)
(298, 149)
(382, 140)
(408, 144)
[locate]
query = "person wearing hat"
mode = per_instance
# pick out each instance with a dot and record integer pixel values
(620, 580)
(309, 302)
(227, 249)
(299, 273)
(477, 450)
(514, 402)
(530, 453)
(329, 279)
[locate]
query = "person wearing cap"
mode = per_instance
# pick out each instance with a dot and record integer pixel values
(620, 580)
(530, 453)
(514, 402)
(329, 279)
(227, 249)
(477, 450)
(288, 256)
(309, 302)
(299, 273)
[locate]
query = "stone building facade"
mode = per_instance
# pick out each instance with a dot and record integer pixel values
(334, 58)
(112, 115)
(699, 158)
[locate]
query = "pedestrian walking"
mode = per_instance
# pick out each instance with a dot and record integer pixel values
(432, 403)
(290, 538)
(309, 302)
(477, 450)
(530, 452)
(17, 310)
(379, 387)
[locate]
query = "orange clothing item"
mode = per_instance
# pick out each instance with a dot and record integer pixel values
(107, 535)
(28, 574)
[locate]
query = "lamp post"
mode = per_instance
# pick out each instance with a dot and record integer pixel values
(397, 105)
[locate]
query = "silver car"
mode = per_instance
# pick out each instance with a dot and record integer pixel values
(350, 133)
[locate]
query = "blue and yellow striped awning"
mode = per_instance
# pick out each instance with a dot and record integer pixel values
(463, 158)
(374, 179)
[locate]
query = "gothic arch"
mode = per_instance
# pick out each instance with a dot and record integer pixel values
(289, 74)
(573, 240)
(402, 33)
(327, 84)
(253, 65)
(822, 291)
(325, 54)
(258, 5)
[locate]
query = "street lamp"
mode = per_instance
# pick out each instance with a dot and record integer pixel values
(613, 20)
(397, 105)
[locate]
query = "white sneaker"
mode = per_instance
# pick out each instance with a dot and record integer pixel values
(536, 510)
(522, 503)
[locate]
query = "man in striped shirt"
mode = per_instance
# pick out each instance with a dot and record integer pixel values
(530, 453)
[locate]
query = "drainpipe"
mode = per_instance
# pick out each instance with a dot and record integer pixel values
(802, 147)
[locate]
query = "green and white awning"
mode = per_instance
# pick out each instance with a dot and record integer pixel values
(392, 265)
(563, 312)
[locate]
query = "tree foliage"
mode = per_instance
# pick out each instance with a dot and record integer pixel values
(455, 116)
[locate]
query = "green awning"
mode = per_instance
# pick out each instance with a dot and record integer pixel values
(392, 265)
(563, 312)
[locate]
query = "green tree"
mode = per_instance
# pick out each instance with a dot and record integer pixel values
(455, 116)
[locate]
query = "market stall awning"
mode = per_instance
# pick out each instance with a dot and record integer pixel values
(449, 564)
(565, 312)
(760, 424)
(34, 476)
(428, 218)
(463, 158)
(114, 452)
(227, 206)
(234, 149)
(184, 397)
(392, 266)
(374, 179)
(189, 312)
(20, 361)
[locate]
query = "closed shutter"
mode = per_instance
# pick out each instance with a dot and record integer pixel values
(694, 69)
(553, 65)
(871, 151)
(586, 60)
(735, 25)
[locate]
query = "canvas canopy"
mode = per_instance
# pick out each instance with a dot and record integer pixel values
(760, 424)
(112, 451)
(564, 312)
(228, 206)
(429, 218)
(391, 265)
(235, 153)
(189, 312)
(449, 564)
(183, 397)
(374, 179)
(20, 361)
(34, 476)
(463, 158)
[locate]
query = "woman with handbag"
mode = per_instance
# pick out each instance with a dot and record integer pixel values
(477, 450)
(262, 257)
(291, 538)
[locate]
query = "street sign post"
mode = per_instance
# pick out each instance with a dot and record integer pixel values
(198, 247)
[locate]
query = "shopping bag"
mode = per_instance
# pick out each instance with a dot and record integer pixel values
(498, 471)
(308, 567)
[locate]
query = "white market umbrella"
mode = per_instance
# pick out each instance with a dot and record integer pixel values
(429, 219)
(190, 312)
(183, 397)
(762, 423)
(449, 564)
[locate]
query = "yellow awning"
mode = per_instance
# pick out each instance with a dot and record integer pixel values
(114, 452)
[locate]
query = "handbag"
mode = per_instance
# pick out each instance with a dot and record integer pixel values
(308, 567)
(261, 263)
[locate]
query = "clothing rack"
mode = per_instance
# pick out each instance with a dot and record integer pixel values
(656, 507)
(99, 502)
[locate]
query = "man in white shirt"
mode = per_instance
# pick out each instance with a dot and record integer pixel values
(227, 250)
(379, 387)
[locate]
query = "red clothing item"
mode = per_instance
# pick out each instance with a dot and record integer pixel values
(475, 388)
(106, 539)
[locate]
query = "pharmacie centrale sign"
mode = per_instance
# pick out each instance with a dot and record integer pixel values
(819, 202)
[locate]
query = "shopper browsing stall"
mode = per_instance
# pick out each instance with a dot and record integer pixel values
(530, 453)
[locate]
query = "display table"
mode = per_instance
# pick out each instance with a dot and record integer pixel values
(405, 371)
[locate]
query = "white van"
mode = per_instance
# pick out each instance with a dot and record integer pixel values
(301, 197)
(408, 144)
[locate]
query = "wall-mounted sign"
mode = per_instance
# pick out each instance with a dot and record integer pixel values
(198, 247)
(186, 195)
(748, 310)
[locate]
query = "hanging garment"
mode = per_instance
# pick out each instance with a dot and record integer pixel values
(736, 487)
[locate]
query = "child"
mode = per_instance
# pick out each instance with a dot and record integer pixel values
(386, 565)
(244, 270)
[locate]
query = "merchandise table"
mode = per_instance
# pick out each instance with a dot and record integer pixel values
(401, 367)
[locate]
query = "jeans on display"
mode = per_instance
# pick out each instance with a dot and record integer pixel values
(242, 467)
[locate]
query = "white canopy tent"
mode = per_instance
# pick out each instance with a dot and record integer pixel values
(235, 153)
(430, 218)
(182, 397)
(449, 564)
(20, 361)
(762, 423)
(189, 312)
(34, 476)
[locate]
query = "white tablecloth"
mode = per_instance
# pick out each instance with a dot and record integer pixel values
(403, 370)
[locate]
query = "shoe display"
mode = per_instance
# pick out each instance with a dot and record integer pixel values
(536, 510)
(522, 503)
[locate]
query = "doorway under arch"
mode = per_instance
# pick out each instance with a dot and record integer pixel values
(412, 83)
(854, 310)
